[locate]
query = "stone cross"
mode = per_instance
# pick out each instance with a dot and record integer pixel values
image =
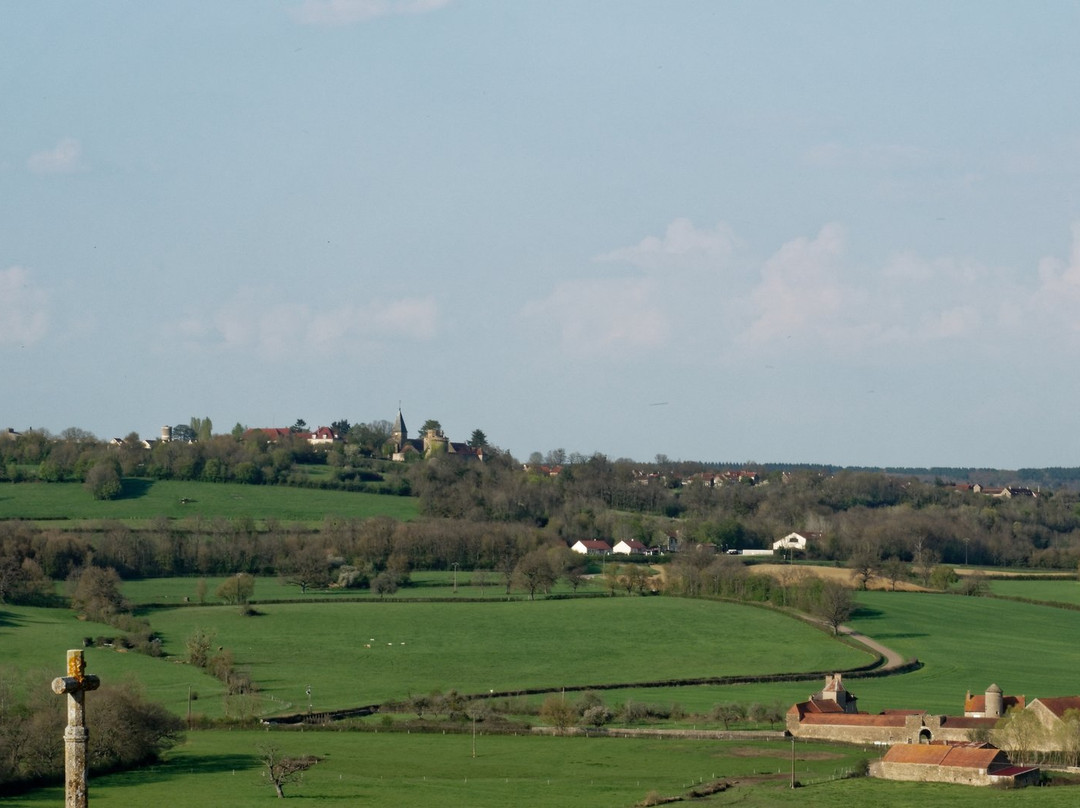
(75, 684)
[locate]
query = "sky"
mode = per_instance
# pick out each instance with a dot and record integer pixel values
(719, 230)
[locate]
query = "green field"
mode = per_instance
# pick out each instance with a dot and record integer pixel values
(419, 771)
(963, 643)
(146, 499)
(477, 647)
(392, 650)
(1063, 591)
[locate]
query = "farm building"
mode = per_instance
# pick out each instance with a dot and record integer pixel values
(973, 764)
(830, 715)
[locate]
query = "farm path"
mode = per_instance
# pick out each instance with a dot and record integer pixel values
(893, 659)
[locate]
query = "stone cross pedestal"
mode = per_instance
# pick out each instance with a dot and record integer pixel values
(75, 684)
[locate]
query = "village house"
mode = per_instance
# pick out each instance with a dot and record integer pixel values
(796, 541)
(591, 547)
(630, 547)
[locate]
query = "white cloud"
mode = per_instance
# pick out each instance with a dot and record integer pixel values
(682, 247)
(64, 158)
(693, 297)
(262, 324)
(347, 12)
(24, 315)
(1057, 299)
(608, 317)
(800, 290)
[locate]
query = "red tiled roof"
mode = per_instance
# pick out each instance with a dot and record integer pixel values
(966, 757)
(853, 720)
(977, 704)
(1059, 704)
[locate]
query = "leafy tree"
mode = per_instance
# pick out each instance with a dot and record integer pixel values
(198, 647)
(341, 428)
(184, 433)
(95, 592)
(203, 428)
(429, 425)
(236, 589)
(371, 437)
(478, 440)
(942, 576)
(558, 712)
(103, 480)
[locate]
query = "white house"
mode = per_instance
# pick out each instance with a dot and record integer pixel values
(628, 546)
(795, 541)
(591, 547)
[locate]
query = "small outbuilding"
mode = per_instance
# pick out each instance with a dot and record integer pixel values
(973, 764)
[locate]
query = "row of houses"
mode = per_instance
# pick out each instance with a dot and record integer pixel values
(791, 542)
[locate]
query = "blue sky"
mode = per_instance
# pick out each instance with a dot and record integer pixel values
(830, 232)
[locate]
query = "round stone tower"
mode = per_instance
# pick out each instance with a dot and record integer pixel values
(993, 702)
(166, 433)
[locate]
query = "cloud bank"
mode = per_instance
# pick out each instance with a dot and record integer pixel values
(270, 327)
(694, 293)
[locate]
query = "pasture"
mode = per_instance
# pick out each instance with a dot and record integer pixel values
(389, 650)
(963, 642)
(418, 771)
(1059, 591)
(147, 499)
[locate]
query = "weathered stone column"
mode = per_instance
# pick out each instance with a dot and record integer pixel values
(75, 684)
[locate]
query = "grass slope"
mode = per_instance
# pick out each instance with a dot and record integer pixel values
(968, 643)
(146, 499)
(1064, 591)
(476, 647)
(36, 640)
(419, 771)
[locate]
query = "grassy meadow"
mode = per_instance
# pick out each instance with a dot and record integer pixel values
(147, 499)
(418, 771)
(963, 642)
(1062, 591)
(393, 650)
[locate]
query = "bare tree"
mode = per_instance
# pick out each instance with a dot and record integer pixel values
(834, 604)
(282, 770)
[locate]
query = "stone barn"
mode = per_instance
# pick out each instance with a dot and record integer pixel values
(965, 764)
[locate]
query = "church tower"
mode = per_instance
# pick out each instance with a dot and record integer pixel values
(399, 434)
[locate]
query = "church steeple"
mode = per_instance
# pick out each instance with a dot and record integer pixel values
(399, 434)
